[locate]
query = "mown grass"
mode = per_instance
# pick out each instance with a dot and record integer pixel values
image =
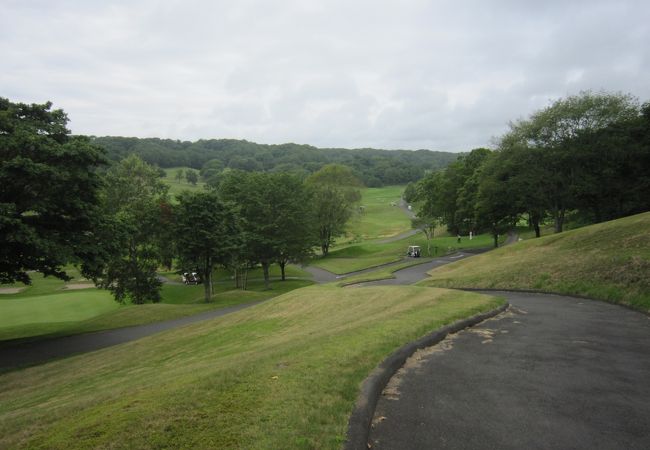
(379, 219)
(282, 374)
(47, 309)
(608, 261)
(176, 187)
(371, 254)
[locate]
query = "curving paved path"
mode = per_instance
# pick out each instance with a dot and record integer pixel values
(553, 372)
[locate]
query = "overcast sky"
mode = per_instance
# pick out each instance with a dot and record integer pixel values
(411, 74)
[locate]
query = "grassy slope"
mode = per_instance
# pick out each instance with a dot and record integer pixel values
(284, 374)
(608, 261)
(379, 219)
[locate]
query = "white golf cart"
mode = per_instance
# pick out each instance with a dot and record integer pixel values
(191, 278)
(413, 251)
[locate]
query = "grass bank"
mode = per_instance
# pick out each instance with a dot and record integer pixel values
(608, 261)
(283, 374)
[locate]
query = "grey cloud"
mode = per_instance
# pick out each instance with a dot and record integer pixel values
(409, 74)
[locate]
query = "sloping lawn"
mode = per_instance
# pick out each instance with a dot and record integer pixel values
(608, 261)
(282, 374)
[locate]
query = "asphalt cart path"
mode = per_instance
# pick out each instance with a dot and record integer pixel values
(551, 372)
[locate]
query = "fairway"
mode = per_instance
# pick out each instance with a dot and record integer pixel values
(371, 254)
(380, 216)
(283, 374)
(65, 307)
(176, 186)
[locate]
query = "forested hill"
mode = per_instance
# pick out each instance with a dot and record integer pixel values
(374, 167)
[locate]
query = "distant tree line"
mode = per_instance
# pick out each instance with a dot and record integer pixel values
(586, 155)
(373, 167)
(63, 203)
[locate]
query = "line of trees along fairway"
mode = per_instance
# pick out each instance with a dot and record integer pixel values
(587, 154)
(373, 167)
(207, 234)
(57, 207)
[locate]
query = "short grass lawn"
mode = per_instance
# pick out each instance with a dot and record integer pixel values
(47, 309)
(381, 215)
(371, 254)
(176, 186)
(608, 261)
(282, 374)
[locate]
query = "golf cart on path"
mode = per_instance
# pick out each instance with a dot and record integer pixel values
(413, 251)
(191, 278)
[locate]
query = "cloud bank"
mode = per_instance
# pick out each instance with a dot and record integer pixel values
(408, 74)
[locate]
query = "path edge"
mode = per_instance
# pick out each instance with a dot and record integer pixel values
(372, 387)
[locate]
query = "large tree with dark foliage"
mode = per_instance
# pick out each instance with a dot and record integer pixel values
(207, 234)
(277, 216)
(48, 192)
(134, 201)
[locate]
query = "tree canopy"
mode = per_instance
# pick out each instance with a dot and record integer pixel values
(372, 166)
(48, 192)
(587, 154)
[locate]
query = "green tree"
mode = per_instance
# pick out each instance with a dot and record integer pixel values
(191, 176)
(449, 196)
(133, 198)
(275, 208)
(335, 193)
(556, 133)
(207, 234)
(179, 174)
(494, 206)
(48, 193)
(428, 227)
(211, 172)
(294, 216)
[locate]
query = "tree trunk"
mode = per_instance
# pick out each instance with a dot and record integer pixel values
(282, 264)
(496, 238)
(207, 281)
(265, 268)
(534, 222)
(558, 216)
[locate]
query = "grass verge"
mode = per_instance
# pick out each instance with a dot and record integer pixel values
(608, 261)
(283, 374)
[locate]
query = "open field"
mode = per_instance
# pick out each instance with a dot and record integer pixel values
(47, 309)
(370, 254)
(175, 186)
(283, 374)
(608, 261)
(379, 218)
